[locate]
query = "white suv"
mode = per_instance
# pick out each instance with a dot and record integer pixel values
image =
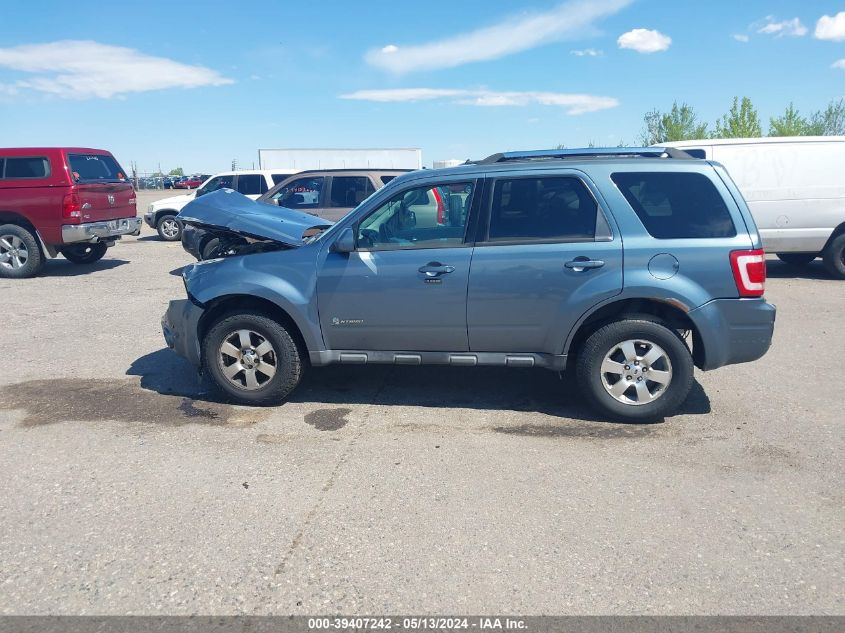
(161, 215)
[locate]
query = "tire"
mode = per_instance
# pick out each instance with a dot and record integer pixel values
(85, 253)
(797, 259)
(20, 253)
(256, 378)
(209, 248)
(169, 228)
(641, 337)
(834, 257)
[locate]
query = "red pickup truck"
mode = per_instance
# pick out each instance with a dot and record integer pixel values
(73, 201)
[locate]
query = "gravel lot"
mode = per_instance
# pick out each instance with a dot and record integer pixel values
(128, 488)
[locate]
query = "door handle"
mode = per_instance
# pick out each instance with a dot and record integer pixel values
(580, 264)
(435, 269)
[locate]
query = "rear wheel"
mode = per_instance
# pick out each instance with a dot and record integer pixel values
(169, 228)
(252, 358)
(20, 254)
(85, 253)
(834, 257)
(635, 370)
(797, 259)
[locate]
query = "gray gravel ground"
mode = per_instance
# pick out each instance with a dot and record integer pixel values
(128, 488)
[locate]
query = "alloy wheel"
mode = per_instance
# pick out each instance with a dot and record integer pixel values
(247, 359)
(13, 252)
(170, 228)
(636, 372)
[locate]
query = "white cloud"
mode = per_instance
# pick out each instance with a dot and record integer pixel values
(831, 27)
(573, 103)
(644, 41)
(792, 28)
(587, 52)
(79, 69)
(517, 33)
(839, 64)
(739, 37)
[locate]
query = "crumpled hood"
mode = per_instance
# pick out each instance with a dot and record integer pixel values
(229, 210)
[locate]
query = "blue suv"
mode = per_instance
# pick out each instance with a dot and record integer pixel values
(629, 266)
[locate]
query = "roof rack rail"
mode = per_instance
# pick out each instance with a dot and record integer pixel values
(587, 152)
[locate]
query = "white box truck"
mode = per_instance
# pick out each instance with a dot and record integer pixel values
(367, 158)
(795, 188)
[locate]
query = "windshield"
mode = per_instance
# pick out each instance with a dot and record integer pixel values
(95, 168)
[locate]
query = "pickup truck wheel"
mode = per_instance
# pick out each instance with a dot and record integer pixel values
(85, 253)
(797, 259)
(169, 228)
(20, 254)
(834, 257)
(252, 358)
(635, 370)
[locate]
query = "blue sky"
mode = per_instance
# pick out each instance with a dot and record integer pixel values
(199, 84)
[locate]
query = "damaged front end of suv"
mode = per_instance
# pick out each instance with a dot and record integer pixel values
(226, 224)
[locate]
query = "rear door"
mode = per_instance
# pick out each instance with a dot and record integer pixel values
(345, 193)
(545, 255)
(105, 192)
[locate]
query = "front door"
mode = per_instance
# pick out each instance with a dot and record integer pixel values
(404, 287)
(546, 256)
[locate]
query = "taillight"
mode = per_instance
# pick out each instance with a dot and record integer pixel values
(749, 269)
(441, 208)
(71, 207)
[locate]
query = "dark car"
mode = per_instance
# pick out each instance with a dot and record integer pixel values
(609, 262)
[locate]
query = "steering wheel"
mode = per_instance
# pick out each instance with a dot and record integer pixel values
(368, 237)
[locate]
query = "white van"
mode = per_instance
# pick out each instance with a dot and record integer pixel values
(161, 215)
(795, 188)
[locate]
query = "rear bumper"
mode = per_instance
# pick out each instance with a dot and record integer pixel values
(97, 231)
(734, 331)
(180, 326)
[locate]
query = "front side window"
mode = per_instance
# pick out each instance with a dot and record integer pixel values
(302, 193)
(676, 205)
(250, 184)
(546, 208)
(433, 216)
(36, 167)
(95, 168)
(220, 182)
(350, 191)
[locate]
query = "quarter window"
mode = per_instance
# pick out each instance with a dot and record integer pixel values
(25, 167)
(350, 191)
(549, 208)
(433, 216)
(676, 205)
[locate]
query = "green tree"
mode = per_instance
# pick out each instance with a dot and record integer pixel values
(178, 171)
(829, 122)
(790, 123)
(679, 124)
(741, 122)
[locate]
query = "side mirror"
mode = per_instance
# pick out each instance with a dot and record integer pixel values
(345, 243)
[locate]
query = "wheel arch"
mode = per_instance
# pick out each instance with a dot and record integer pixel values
(672, 313)
(839, 230)
(218, 308)
(162, 212)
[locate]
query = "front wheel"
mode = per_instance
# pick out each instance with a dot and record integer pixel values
(169, 228)
(635, 370)
(797, 259)
(834, 257)
(252, 358)
(85, 253)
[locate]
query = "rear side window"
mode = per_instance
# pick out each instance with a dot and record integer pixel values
(277, 178)
(550, 208)
(250, 184)
(35, 167)
(676, 205)
(350, 191)
(95, 168)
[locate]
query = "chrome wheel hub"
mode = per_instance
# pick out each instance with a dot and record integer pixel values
(636, 372)
(247, 359)
(13, 252)
(170, 228)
